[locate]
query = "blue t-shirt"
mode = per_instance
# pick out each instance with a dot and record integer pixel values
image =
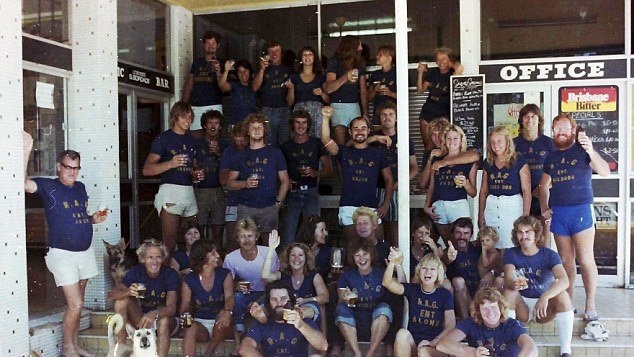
(207, 304)
(427, 311)
(305, 154)
(304, 91)
(387, 79)
(279, 339)
(444, 186)
(570, 171)
(322, 261)
(226, 163)
(348, 92)
(69, 225)
(534, 152)
(157, 288)
(267, 162)
(206, 91)
(538, 269)
(210, 162)
(466, 266)
(306, 290)
(273, 89)
(505, 181)
(360, 170)
(391, 155)
(181, 258)
(244, 100)
(503, 338)
(369, 287)
(168, 144)
(437, 104)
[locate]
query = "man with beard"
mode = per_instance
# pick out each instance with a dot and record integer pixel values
(360, 166)
(461, 259)
(567, 170)
(256, 173)
(201, 86)
(285, 332)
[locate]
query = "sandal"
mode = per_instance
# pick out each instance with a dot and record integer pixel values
(590, 316)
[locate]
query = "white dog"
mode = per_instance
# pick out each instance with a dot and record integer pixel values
(143, 340)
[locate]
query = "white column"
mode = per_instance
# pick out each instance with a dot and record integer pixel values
(470, 35)
(14, 331)
(181, 42)
(93, 124)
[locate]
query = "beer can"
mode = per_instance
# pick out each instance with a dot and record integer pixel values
(188, 320)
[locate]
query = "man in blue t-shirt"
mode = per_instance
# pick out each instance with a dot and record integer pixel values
(569, 170)
(201, 86)
(307, 162)
(280, 330)
(361, 165)
(255, 173)
(70, 256)
(271, 82)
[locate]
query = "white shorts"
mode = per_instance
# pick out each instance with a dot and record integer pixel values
(208, 323)
(449, 211)
(69, 267)
(531, 302)
(500, 213)
(231, 214)
(199, 111)
(176, 199)
(345, 215)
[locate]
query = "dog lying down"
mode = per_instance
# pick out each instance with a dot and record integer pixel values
(143, 340)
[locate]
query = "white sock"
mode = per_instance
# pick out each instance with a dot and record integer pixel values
(564, 322)
(511, 314)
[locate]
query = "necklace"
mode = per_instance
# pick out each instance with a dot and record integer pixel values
(366, 279)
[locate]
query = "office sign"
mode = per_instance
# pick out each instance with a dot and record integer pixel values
(554, 71)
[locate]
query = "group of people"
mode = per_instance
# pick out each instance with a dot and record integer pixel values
(314, 294)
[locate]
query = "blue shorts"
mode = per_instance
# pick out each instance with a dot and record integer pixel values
(351, 317)
(343, 113)
(570, 220)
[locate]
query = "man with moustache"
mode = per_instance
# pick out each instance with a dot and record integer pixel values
(255, 173)
(285, 332)
(201, 86)
(270, 81)
(307, 162)
(461, 258)
(360, 166)
(566, 170)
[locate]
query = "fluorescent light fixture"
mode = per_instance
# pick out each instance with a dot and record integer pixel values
(365, 32)
(548, 22)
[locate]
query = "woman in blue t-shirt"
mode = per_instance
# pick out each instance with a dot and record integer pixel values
(450, 185)
(188, 233)
(305, 88)
(207, 293)
(505, 192)
(243, 97)
(431, 312)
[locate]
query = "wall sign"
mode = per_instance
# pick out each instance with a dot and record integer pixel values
(596, 109)
(467, 108)
(554, 71)
(146, 78)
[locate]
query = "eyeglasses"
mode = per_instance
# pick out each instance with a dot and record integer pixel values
(68, 167)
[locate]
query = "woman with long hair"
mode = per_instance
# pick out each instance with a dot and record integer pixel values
(243, 98)
(188, 233)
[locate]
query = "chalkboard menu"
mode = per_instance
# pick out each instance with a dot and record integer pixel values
(596, 109)
(467, 108)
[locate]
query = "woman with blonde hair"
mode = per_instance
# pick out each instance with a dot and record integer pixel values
(431, 307)
(505, 192)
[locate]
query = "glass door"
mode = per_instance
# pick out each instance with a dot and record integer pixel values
(141, 118)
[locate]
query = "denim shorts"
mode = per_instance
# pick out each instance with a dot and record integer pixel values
(343, 113)
(351, 317)
(570, 220)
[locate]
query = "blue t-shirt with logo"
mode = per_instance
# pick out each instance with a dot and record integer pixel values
(444, 186)
(534, 152)
(207, 304)
(244, 100)
(360, 170)
(505, 181)
(570, 171)
(304, 91)
(267, 162)
(157, 288)
(304, 154)
(538, 269)
(387, 79)
(69, 225)
(206, 91)
(279, 339)
(466, 266)
(226, 163)
(369, 287)
(502, 339)
(391, 155)
(210, 162)
(168, 144)
(426, 311)
(437, 104)
(348, 92)
(273, 89)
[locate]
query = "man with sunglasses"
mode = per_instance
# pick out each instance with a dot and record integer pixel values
(70, 255)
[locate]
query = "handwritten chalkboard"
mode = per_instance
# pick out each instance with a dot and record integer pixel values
(595, 108)
(467, 108)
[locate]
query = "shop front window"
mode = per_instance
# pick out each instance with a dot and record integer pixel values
(142, 32)
(46, 18)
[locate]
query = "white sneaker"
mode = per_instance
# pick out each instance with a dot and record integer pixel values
(594, 330)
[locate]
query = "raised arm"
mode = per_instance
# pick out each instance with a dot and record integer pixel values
(267, 274)
(223, 84)
(326, 139)
(290, 93)
(421, 85)
(259, 77)
(27, 142)
(390, 284)
(597, 163)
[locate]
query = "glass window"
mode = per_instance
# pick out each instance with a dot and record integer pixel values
(511, 29)
(46, 18)
(44, 118)
(432, 24)
(606, 236)
(142, 32)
